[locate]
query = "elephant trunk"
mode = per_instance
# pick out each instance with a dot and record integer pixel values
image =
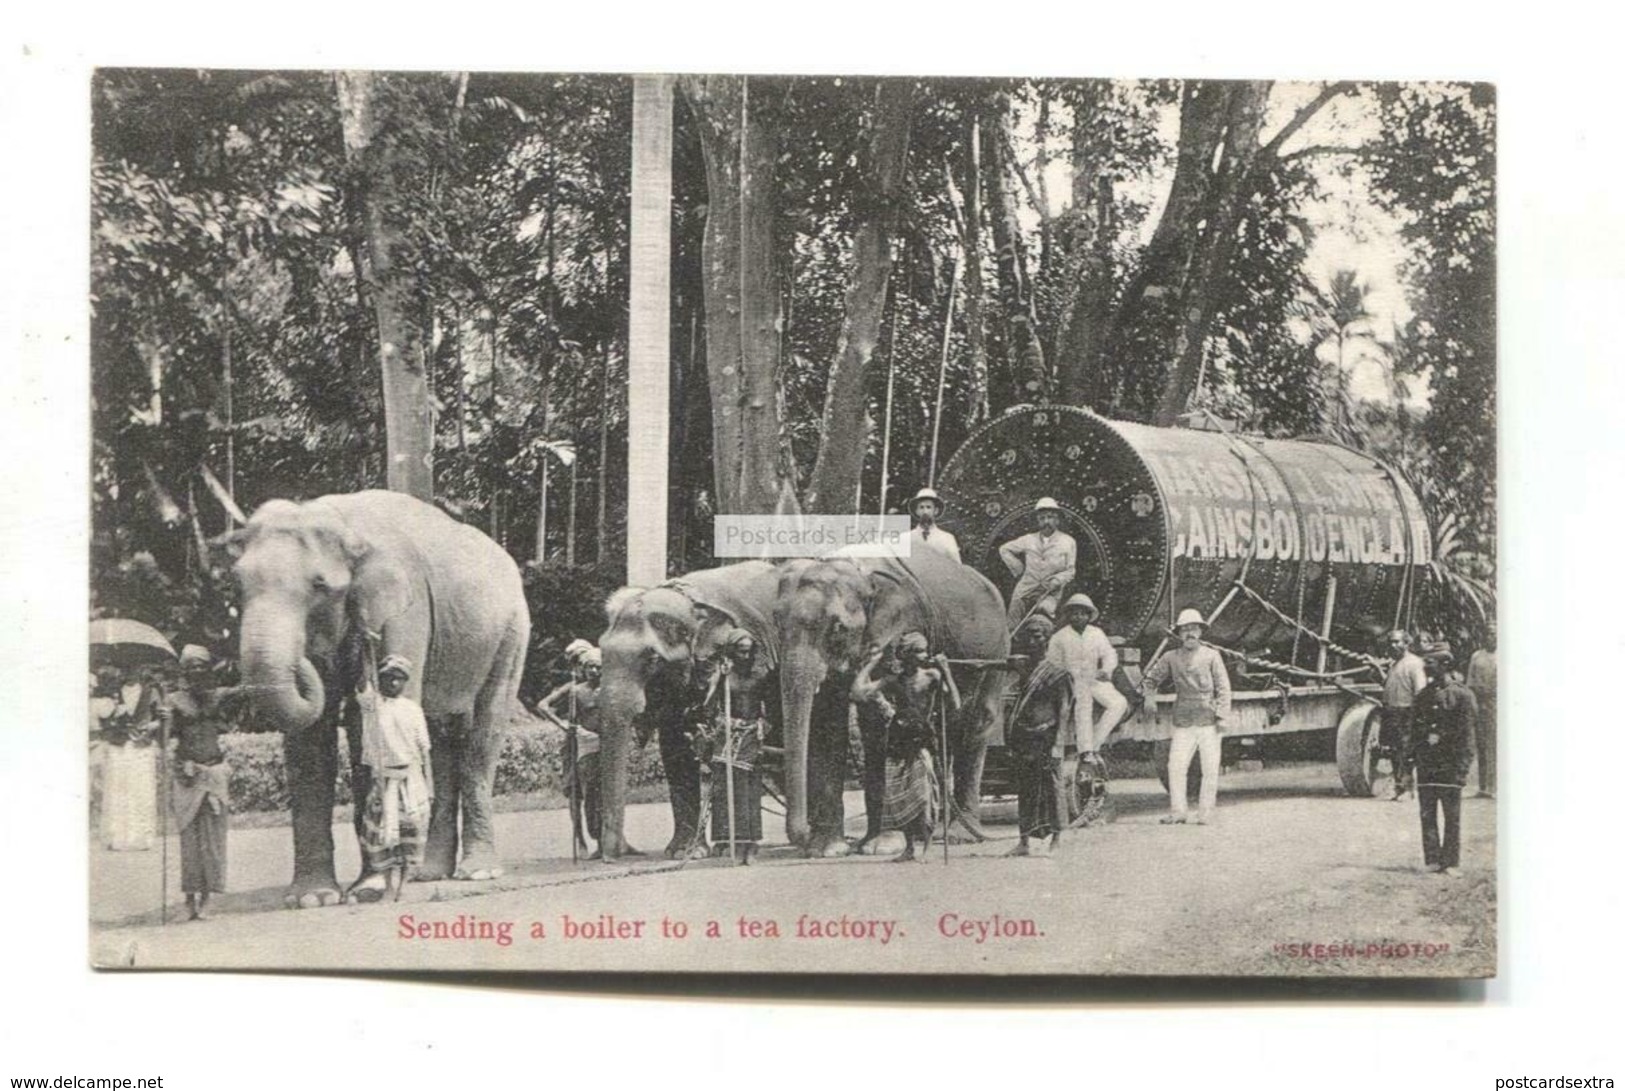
(282, 683)
(802, 671)
(621, 699)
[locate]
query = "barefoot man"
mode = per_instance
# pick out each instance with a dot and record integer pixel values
(909, 698)
(574, 707)
(395, 749)
(736, 720)
(1036, 741)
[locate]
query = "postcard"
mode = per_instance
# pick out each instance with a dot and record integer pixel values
(792, 524)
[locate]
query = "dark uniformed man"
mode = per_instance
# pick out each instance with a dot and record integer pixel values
(1442, 724)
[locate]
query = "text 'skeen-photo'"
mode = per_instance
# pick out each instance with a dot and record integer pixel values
(792, 524)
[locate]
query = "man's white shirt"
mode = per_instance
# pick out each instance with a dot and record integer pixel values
(939, 540)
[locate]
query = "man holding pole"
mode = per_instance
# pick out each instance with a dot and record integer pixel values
(915, 701)
(580, 723)
(738, 718)
(1043, 563)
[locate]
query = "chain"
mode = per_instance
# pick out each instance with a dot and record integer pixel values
(1284, 668)
(1370, 662)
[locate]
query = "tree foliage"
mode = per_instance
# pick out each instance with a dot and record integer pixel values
(1137, 247)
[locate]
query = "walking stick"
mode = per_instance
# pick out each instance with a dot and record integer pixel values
(163, 811)
(572, 746)
(942, 746)
(727, 755)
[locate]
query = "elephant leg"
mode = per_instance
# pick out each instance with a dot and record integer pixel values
(360, 782)
(311, 759)
(476, 769)
(683, 785)
(369, 886)
(968, 763)
(446, 735)
(614, 762)
(978, 724)
(828, 745)
(873, 727)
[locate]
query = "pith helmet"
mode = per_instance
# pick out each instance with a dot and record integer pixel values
(1188, 616)
(576, 649)
(926, 494)
(592, 657)
(1084, 601)
(1046, 503)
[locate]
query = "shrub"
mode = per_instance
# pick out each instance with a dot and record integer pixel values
(532, 761)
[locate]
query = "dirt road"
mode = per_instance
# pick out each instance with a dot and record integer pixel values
(1294, 878)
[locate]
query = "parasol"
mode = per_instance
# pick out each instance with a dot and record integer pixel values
(121, 642)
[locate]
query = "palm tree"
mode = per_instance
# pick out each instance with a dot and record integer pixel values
(1339, 314)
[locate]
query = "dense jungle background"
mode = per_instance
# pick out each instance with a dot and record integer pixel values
(297, 276)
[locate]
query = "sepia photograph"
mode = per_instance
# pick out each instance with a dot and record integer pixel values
(792, 524)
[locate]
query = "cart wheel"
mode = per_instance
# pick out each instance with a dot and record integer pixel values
(1193, 778)
(1087, 792)
(1361, 764)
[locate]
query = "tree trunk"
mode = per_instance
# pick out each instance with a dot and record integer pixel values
(1228, 191)
(1079, 366)
(461, 400)
(541, 517)
(975, 324)
(759, 311)
(408, 412)
(570, 520)
(1022, 343)
(741, 308)
(845, 435)
(228, 406)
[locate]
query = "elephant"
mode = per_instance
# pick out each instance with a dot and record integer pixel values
(829, 610)
(315, 580)
(655, 635)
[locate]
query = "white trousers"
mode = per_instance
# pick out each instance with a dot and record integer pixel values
(1113, 707)
(1187, 741)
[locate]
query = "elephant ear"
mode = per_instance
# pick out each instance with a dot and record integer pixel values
(380, 590)
(619, 601)
(895, 600)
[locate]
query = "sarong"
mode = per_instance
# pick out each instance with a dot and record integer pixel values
(203, 853)
(747, 782)
(1041, 809)
(392, 828)
(201, 806)
(911, 792)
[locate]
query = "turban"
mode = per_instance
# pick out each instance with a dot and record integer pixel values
(396, 664)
